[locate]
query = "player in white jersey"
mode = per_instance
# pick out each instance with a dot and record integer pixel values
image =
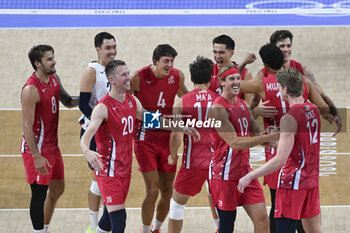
(93, 86)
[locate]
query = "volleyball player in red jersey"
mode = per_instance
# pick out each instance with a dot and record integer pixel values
(266, 88)
(283, 39)
(223, 50)
(192, 107)
(156, 86)
(113, 122)
(41, 155)
(298, 154)
(230, 159)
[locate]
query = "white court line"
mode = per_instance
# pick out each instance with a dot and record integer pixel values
(190, 208)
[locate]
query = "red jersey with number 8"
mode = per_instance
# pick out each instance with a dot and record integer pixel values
(46, 114)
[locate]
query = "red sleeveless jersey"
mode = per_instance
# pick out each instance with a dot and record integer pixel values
(46, 114)
(273, 94)
(114, 136)
(196, 105)
(228, 164)
(301, 170)
(296, 65)
(215, 80)
(156, 94)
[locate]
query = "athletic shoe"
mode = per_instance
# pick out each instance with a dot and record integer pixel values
(156, 231)
(217, 231)
(88, 230)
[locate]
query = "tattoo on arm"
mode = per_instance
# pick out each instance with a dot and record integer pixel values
(254, 127)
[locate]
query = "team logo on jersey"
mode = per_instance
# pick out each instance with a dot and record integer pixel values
(307, 107)
(241, 105)
(54, 82)
(130, 104)
(171, 80)
(151, 120)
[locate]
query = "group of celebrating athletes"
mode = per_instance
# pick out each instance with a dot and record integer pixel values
(113, 103)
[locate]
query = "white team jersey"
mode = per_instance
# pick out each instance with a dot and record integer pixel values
(100, 89)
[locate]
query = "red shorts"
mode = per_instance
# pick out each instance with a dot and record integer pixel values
(190, 181)
(153, 155)
(113, 189)
(225, 195)
(56, 171)
(297, 204)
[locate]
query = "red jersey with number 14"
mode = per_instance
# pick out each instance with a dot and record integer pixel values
(46, 114)
(114, 136)
(156, 94)
(301, 170)
(229, 164)
(195, 106)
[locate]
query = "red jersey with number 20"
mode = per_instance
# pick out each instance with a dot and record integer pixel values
(156, 94)
(114, 137)
(301, 170)
(196, 105)
(229, 164)
(46, 114)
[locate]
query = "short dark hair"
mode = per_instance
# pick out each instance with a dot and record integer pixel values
(112, 65)
(163, 50)
(226, 40)
(100, 37)
(272, 56)
(280, 35)
(292, 79)
(37, 52)
(201, 70)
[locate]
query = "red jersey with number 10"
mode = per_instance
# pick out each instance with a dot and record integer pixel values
(156, 94)
(46, 114)
(114, 136)
(301, 170)
(229, 164)
(195, 106)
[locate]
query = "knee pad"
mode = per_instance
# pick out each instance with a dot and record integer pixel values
(176, 210)
(94, 188)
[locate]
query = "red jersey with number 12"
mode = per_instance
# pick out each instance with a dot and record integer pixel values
(46, 114)
(301, 170)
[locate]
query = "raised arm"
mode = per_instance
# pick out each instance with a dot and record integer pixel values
(66, 99)
(99, 114)
(29, 98)
(285, 145)
(332, 108)
(228, 133)
(182, 88)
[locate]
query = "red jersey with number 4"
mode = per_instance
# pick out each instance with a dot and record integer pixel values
(215, 80)
(46, 114)
(273, 94)
(114, 136)
(156, 94)
(195, 106)
(229, 164)
(301, 170)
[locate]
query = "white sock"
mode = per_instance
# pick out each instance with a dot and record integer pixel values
(46, 228)
(93, 219)
(39, 231)
(217, 223)
(157, 225)
(146, 229)
(99, 230)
